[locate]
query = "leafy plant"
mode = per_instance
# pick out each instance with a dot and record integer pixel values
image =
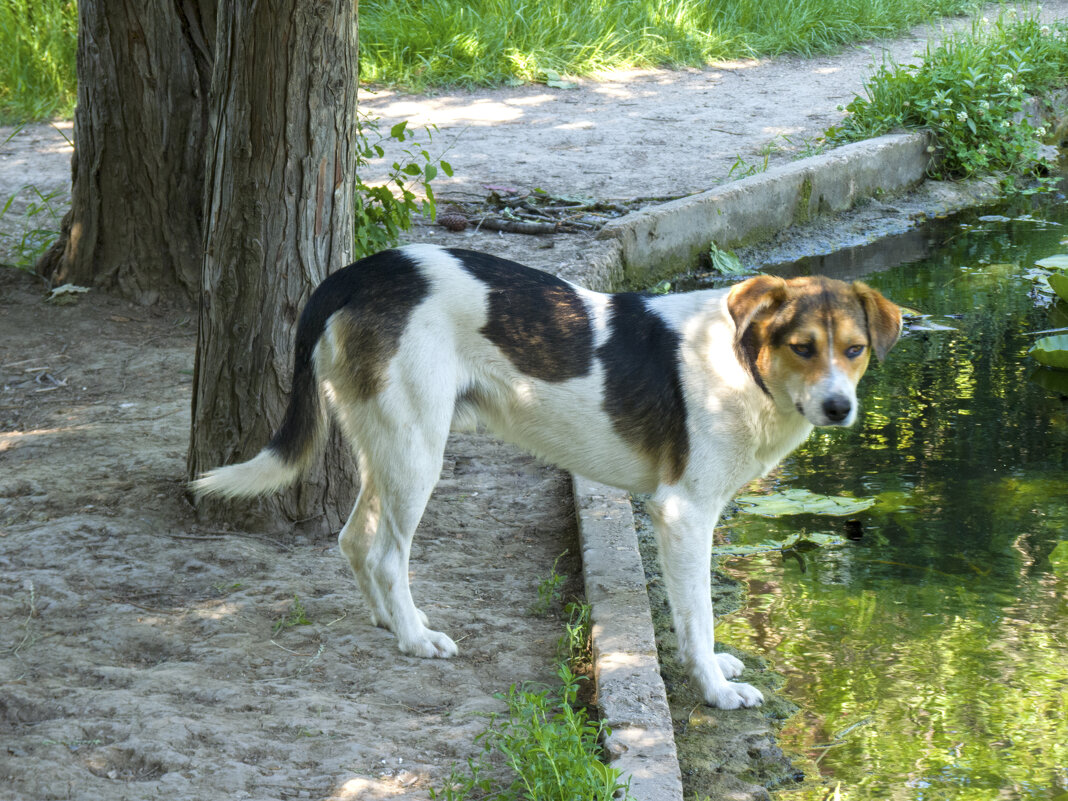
(575, 642)
(549, 589)
(970, 92)
(295, 616)
(726, 262)
(382, 212)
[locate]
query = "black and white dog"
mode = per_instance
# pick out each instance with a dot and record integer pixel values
(686, 397)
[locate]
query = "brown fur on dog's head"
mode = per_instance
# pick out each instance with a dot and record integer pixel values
(809, 339)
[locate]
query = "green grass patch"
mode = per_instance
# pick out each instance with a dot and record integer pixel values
(38, 43)
(488, 42)
(497, 41)
(547, 739)
(969, 91)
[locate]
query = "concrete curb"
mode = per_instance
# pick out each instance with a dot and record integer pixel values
(630, 691)
(669, 239)
(636, 250)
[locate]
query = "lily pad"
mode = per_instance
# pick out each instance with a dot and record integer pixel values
(1051, 351)
(1059, 283)
(1059, 558)
(801, 501)
(1057, 262)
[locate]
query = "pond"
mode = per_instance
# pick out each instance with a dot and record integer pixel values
(928, 649)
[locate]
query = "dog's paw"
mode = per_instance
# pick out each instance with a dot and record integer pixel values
(732, 695)
(730, 665)
(429, 645)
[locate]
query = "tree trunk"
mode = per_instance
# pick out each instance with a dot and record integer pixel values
(277, 220)
(140, 127)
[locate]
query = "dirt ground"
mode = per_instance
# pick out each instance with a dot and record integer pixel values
(141, 654)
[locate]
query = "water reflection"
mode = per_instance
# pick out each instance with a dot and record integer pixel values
(930, 656)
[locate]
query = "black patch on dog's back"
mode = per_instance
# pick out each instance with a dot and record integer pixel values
(642, 387)
(378, 293)
(537, 320)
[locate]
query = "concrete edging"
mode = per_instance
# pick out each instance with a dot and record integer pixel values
(626, 668)
(638, 249)
(669, 238)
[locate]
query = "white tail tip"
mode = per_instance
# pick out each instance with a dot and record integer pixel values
(260, 475)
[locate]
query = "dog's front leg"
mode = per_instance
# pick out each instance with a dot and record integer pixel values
(684, 538)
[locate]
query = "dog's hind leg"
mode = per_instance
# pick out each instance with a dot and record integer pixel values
(399, 453)
(355, 541)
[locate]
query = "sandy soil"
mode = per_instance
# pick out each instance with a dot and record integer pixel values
(139, 656)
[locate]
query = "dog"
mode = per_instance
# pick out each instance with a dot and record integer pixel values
(685, 397)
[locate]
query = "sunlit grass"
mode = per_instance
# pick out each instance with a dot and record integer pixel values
(495, 41)
(486, 42)
(38, 42)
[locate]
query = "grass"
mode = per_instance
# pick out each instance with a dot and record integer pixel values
(38, 42)
(488, 42)
(969, 91)
(295, 616)
(547, 739)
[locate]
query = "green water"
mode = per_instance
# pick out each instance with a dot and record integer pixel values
(930, 656)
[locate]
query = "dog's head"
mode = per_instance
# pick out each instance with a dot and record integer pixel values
(807, 341)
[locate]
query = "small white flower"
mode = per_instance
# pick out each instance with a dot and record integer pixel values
(1044, 30)
(930, 149)
(986, 21)
(1040, 131)
(1016, 90)
(962, 116)
(1006, 78)
(984, 104)
(907, 103)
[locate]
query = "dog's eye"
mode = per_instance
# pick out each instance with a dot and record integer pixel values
(805, 351)
(853, 351)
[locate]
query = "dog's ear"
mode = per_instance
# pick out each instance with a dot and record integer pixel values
(884, 319)
(750, 299)
(747, 302)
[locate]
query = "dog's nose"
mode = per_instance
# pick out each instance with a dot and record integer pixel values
(837, 408)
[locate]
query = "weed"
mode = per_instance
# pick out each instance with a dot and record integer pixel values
(27, 243)
(726, 262)
(575, 644)
(549, 589)
(970, 92)
(550, 745)
(547, 739)
(295, 616)
(743, 169)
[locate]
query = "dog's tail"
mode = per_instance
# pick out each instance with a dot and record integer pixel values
(299, 439)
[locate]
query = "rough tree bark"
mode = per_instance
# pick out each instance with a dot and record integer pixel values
(137, 173)
(277, 220)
